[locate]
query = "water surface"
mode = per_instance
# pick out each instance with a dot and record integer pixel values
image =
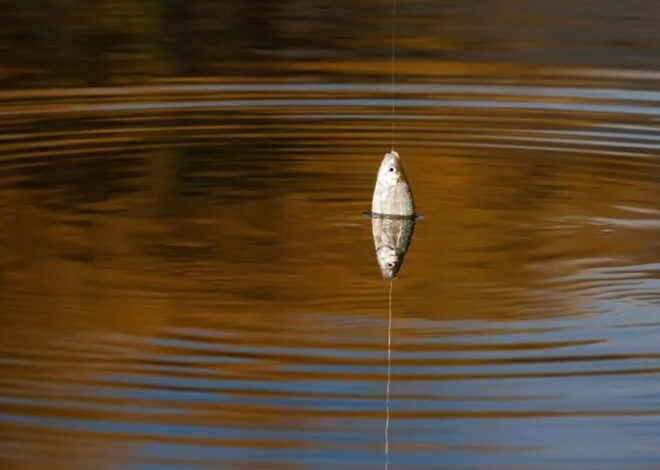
(187, 279)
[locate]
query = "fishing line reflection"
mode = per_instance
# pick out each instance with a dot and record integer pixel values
(392, 237)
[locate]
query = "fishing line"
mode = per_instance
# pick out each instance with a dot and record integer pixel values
(393, 69)
(389, 318)
(389, 376)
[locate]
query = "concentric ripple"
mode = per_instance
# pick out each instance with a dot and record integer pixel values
(187, 280)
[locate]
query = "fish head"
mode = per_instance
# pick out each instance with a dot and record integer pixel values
(391, 170)
(389, 261)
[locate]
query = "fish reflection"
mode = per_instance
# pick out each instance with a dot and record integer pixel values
(392, 237)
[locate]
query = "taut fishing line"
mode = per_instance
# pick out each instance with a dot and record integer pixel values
(393, 69)
(389, 319)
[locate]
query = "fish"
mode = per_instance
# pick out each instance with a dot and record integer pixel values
(392, 194)
(392, 236)
(392, 215)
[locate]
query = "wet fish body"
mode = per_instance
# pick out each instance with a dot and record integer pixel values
(392, 194)
(393, 215)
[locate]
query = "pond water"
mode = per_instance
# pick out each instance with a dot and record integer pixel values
(187, 279)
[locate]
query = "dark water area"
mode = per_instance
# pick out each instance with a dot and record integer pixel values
(187, 279)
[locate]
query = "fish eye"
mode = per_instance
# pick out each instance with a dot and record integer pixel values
(391, 168)
(389, 265)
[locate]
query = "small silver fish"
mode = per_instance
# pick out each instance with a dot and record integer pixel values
(392, 194)
(392, 237)
(393, 215)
